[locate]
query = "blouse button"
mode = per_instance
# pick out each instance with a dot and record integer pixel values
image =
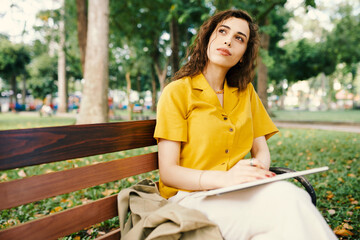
(231, 129)
(225, 118)
(227, 150)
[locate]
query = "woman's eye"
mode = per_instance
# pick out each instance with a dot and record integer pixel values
(222, 31)
(239, 38)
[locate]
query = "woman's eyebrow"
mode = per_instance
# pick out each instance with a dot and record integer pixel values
(241, 33)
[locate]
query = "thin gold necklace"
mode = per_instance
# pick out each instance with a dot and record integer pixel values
(219, 92)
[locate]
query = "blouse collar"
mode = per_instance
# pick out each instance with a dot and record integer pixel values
(231, 99)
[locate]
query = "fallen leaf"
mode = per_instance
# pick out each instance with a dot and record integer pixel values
(21, 173)
(131, 180)
(354, 202)
(90, 231)
(349, 213)
(4, 177)
(279, 143)
(351, 175)
(311, 163)
(57, 209)
(347, 226)
(340, 179)
(343, 232)
(77, 238)
(330, 195)
(108, 192)
(331, 211)
(85, 200)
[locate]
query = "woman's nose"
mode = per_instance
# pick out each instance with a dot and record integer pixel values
(228, 42)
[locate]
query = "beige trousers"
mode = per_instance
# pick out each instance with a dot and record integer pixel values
(274, 211)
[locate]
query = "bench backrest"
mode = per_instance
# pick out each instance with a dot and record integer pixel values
(27, 147)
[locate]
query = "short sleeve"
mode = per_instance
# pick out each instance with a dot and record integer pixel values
(262, 123)
(171, 123)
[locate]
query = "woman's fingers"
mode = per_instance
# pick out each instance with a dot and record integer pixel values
(253, 162)
(245, 173)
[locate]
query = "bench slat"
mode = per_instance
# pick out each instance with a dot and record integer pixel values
(22, 191)
(64, 223)
(27, 147)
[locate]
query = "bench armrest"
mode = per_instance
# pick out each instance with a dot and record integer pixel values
(308, 187)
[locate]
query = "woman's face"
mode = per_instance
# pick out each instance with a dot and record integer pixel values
(228, 42)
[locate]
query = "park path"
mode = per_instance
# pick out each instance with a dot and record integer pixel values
(342, 127)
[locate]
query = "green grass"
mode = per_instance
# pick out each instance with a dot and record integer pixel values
(337, 189)
(31, 120)
(348, 116)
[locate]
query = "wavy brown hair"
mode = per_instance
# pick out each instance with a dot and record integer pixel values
(239, 75)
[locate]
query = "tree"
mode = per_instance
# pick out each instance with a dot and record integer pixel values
(13, 61)
(81, 8)
(183, 16)
(43, 76)
(94, 102)
(62, 82)
(138, 47)
(343, 42)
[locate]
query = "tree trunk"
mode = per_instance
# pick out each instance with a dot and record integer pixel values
(161, 75)
(153, 94)
(263, 71)
(94, 103)
(82, 30)
(353, 88)
(62, 83)
(138, 83)
(23, 90)
(174, 40)
(13, 97)
(128, 92)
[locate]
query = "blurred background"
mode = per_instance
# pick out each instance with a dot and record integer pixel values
(309, 58)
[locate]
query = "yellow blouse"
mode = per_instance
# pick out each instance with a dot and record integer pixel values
(212, 137)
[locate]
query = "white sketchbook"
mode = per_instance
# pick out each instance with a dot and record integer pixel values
(260, 182)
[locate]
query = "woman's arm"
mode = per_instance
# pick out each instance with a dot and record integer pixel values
(261, 152)
(174, 175)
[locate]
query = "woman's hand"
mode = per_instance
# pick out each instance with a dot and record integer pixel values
(246, 171)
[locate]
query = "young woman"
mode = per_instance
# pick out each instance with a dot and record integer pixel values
(208, 120)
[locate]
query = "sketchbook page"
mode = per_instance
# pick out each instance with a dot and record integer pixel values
(261, 181)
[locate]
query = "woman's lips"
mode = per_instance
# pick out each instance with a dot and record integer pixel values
(224, 51)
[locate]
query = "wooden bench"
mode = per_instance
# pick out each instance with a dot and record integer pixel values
(28, 147)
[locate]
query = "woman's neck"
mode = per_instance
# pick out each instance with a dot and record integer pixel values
(215, 76)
